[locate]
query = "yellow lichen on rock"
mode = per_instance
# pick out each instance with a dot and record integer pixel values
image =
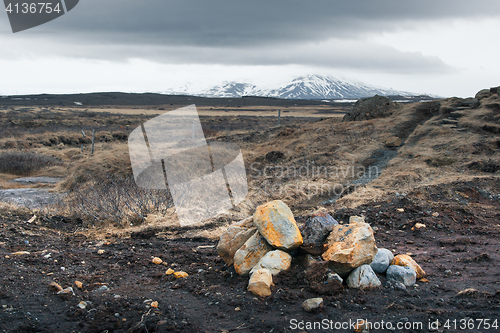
(406, 260)
(250, 253)
(276, 224)
(350, 246)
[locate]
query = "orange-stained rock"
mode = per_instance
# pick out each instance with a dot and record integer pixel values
(156, 261)
(250, 253)
(406, 260)
(361, 326)
(55, 286)
(276, 224)
(349, 246)
(180, 275)
(260, 283)
(233, 238)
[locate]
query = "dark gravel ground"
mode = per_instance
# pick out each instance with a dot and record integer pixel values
(458, 249)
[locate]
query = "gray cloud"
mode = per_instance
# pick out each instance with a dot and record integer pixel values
(255, 22)
(329, 33)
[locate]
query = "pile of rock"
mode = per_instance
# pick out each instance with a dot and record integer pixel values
(261, 246)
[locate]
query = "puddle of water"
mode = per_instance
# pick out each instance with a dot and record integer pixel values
(32, 198)
(35, 180)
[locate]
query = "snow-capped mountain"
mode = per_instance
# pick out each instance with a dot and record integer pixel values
(324, 87)
(233, 89)
(304, 87)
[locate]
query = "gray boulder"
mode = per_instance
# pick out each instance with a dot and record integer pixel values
(315, 232)
(372, 107)
(403, 274)
(363, 277)
(382, 261)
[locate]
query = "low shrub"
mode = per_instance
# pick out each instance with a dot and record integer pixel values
(25, 163)
(117, 200)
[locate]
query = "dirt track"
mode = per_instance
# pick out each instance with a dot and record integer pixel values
(462, 239)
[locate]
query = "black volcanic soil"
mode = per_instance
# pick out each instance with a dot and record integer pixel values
(462, 239)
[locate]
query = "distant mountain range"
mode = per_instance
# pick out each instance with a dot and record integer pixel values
(316, 87)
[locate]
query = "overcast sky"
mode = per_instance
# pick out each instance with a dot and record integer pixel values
(446, 48)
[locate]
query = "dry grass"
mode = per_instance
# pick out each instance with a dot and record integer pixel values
(25, 163)
(432, 153)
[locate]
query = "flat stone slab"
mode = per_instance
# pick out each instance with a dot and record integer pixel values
(36, 180)
(32, 198)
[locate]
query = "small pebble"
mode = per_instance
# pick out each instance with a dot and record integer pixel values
(55, 286)
(67, 291)
(19, 253)
(312, 304)
(180, 275)
(103, 288)
(157, 261)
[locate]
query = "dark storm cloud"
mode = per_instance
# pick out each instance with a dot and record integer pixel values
(329, 33)
(256, 22)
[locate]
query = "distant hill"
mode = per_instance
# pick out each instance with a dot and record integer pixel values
(146, 99)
